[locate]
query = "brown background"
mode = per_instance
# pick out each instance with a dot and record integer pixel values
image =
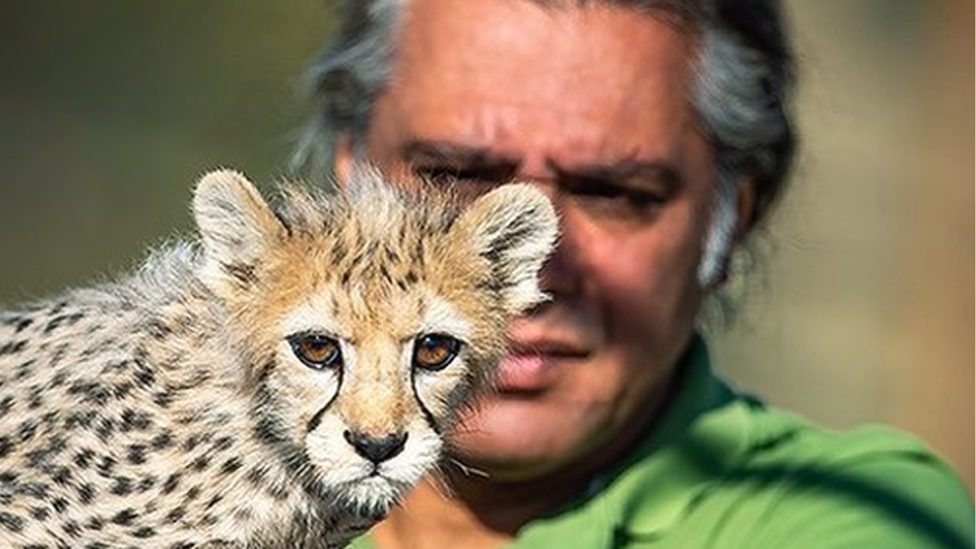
(860, 308)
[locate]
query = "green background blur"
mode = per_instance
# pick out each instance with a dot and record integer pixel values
(861, 307)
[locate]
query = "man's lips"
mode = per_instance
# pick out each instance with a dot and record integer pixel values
(531, 366)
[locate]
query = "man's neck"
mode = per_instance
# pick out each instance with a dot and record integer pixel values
(487, 513)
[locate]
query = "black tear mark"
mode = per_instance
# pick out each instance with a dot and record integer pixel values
(428, 415)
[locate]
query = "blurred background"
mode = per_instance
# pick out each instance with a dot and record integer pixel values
(860, 309)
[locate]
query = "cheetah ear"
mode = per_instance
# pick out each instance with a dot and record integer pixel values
(514, 227)
(236, 226)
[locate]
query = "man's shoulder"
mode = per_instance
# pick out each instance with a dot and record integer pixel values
(761, 477)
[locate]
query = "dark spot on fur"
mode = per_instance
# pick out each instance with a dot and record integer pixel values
(27, 430)
(86, 493)
(13, 347)
(144, 532)
(40, 514)
(144, 376)
(200, 463)
(164, 398)
(231, 465)
(11, 522)
(136, 454)
(72, 528)
(158, 329)
(83, 458)
(122, 486)
(79, 419)
(135, 420)
(90, 392)
(176, 514)
(267, 431)
(59, 353)
(193, 493)
(6, 404)
(146, 483)
(62, 476)
(256, 475)
(125, 517)
(58, 379)
(34, 399)
(25, 370)
(223, 443)
(106, 466)
(172, 483)
(243, 273)
(5, 446)
(60, 504)
(22, 324)
(162, 441)
(105, 429)
(214, 501)
(194, 440)
(66, 320)
(122, 390)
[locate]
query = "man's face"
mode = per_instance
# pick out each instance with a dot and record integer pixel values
(591, 104)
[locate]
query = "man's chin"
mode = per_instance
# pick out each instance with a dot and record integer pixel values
(508, 447)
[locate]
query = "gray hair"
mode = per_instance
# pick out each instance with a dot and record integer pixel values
(741, 96)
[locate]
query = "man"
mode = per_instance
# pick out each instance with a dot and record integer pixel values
(660, 131)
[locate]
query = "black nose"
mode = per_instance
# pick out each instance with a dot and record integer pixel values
(376, 449)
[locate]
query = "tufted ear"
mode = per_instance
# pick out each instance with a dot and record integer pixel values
(236, 226)
(514, 227)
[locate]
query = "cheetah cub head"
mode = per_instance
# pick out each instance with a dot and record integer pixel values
(362, 320)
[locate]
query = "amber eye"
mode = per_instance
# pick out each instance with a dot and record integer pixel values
(316, 351)
(435, 351)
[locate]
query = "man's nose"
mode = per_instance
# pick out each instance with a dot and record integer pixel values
(560, 274)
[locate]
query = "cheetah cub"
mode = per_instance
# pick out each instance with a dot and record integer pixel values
(279, 383)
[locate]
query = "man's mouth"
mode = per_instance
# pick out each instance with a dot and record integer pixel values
(532, 366)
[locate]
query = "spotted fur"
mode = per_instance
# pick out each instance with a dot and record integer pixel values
(169, 410)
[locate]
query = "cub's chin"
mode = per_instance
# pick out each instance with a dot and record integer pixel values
(373, 496)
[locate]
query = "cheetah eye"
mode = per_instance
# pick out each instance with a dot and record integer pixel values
(316, 351)
(435, 351)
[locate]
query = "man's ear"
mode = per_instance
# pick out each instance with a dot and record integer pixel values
(236, 227)
(514, 227)
(745, 205)
(345, 160)
(731, 221)
(716, 271)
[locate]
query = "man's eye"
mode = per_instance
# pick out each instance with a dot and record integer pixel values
(316, 351)
(438, 175)
(453, 175)
(617, 199)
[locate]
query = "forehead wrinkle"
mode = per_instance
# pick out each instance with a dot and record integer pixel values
(448, 56)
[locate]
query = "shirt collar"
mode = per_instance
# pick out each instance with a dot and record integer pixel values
(661, 477)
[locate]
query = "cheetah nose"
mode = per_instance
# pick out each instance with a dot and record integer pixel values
(376, 449)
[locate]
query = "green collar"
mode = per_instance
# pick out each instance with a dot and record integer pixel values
(676, 464)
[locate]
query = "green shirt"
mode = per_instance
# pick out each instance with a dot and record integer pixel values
(721, 470)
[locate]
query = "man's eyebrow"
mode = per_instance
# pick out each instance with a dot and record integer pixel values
(453, 153)
(621, 170)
